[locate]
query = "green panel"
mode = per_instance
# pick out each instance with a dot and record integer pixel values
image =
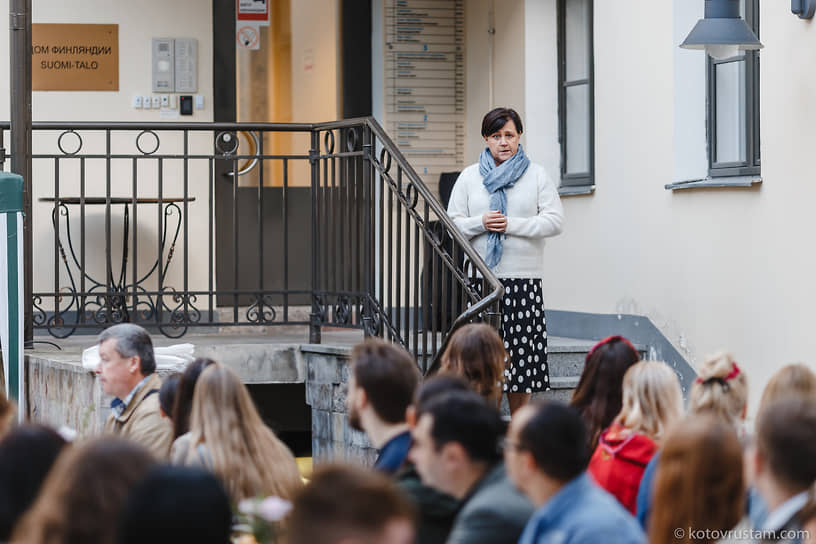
(13, 306)
(11, 193)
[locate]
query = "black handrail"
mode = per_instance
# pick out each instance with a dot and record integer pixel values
(372, 220)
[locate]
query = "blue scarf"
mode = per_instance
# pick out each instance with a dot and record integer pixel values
(496, 180)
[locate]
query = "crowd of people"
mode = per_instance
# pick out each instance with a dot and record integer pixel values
(625, 461)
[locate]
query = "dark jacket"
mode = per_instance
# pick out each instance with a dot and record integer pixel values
(494, 512)
(435, 510)
(393, 453)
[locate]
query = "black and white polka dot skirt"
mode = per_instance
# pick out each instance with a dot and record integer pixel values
(524, 332)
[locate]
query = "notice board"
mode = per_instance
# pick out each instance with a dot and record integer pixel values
(74, 57)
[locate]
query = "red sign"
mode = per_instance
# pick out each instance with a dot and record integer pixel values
(252, 10)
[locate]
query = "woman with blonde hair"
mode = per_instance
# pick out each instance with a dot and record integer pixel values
(795, 379)
(476, 353)
(652, 402)
(700, 485)
(228, 437)
(720, 390)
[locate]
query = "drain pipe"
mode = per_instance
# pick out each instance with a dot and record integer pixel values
(491, 48)
(20, 77)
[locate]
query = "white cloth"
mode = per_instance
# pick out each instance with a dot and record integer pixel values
(534, 212)
(173, 357)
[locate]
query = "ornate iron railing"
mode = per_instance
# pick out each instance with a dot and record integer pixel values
(187, 225)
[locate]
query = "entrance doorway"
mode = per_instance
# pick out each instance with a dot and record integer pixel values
(313, 64)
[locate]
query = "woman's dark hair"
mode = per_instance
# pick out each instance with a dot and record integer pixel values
(84, 493)
(497, 118)
(184, 395)
(26, 456)
(167, 394)
(555, 434)
(599, 395)
(177, 504)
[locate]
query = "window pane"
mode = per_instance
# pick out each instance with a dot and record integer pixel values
(577, 15)
(731, 110)
(578, 129)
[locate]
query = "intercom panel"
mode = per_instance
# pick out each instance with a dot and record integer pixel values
(163, 65)
(186, 65)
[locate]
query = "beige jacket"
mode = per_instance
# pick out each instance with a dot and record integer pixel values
(142, 422)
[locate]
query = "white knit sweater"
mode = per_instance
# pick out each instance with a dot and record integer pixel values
(534, 212)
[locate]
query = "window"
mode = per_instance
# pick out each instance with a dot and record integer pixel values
(576, 96)
(733, 107)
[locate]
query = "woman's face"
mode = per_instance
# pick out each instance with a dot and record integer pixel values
(503, 143)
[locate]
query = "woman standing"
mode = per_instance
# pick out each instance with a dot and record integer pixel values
(506, 205)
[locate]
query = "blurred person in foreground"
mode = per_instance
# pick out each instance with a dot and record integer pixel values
(720, 390)
(546, 456)
(783, 465)
(27, 454)
(652, 401)
(599, 394)
(457, 450)
(127, 371)
(176, 504)
(699, 484)
(350, 505)
(383, 379)
(82, 497)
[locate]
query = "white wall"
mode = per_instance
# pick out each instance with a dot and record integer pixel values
(719, 268)
(690, 149)
(541, 84)
(137, 25)
(508, 66)
(152, 19)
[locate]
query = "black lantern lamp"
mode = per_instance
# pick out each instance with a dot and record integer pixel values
(804, 8)
(722, 33)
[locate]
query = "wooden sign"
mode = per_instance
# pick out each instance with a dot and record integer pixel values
(73, 57)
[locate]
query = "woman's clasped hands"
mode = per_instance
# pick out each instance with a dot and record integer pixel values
(495, 221)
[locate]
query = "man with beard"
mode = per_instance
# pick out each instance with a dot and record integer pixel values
(381, 386)
(382, 380)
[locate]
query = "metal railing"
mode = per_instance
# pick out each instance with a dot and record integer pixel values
(185, 225)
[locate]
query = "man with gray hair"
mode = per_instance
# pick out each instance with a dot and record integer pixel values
(127, 371)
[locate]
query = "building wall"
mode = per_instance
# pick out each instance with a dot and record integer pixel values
(152, 19)
(712, 269)
(507, 67)
(137, 25)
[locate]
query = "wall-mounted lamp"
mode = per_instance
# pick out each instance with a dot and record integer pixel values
(804, 8)
(723, 33)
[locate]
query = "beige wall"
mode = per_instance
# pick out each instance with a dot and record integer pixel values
(137, 25)
(717, 268)
(508, 65)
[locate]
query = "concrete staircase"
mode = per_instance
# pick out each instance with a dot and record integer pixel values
(566, 357)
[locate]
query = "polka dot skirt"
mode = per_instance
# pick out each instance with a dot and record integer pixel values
(524, 332)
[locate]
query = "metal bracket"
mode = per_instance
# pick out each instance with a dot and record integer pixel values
(17, 21)
(805, 9)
